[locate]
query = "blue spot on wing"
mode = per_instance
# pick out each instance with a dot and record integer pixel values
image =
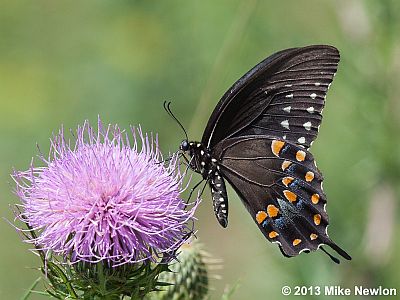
(301, 204)
(291, 168)
(280, 223)
(285, 148)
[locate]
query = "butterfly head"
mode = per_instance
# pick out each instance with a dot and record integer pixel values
(184, 146)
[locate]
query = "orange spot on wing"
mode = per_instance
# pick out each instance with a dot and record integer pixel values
(286, 164)
(292, 197)
(313, 236)
(272, 211)
(273, 234)
(317, 219)
(300, 155)
(309, 176)
(296, 242)
(261, 216)
(276, 147)
(315, 199)
(287, 180)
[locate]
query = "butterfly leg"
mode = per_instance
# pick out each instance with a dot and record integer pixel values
(195, 187)
(219, 198)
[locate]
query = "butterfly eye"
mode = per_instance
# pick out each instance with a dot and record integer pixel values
(184, 145)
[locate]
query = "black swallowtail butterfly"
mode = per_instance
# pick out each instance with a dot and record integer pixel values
(257, 139)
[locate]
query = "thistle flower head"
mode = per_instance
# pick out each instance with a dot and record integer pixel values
(97, 198)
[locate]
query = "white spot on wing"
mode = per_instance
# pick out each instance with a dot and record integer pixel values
(284, 137)
(307, 125)
(301, 140)
(317, 84)
(202, 152)
(313, 95)
(310, 109)
(288, 85)
(285, 124)
(287, 109)
(289, 96)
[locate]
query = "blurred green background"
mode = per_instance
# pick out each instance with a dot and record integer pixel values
(62, 62)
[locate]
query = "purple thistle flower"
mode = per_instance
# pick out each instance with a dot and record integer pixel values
(102, 200)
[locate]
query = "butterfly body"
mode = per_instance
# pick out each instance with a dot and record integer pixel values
(203, 163)
(258, 139)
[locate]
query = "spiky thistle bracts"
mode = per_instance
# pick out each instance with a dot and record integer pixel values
(189, 276)
(97, 198)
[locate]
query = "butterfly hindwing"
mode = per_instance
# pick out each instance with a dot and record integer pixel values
(281, 187)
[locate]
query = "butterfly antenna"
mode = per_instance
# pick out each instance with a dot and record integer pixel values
(168, 110)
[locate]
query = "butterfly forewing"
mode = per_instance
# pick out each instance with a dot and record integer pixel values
(282, 96)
